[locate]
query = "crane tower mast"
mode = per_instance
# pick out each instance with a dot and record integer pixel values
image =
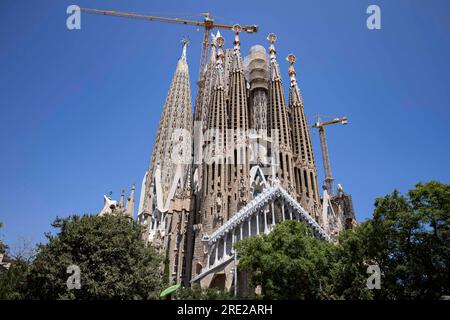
(323, 142)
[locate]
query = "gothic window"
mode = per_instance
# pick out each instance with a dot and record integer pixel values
(213, 173)
(306, 183)
(312, 185)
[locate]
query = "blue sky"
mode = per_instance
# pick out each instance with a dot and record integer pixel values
(79, 109)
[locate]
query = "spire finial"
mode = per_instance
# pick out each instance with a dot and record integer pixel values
(291, 59)
(213, 47)
(185, 42)
(129, 209)
(236, 28)
(220, 42)
(272, 37)
(219, 39)
(122, 197)
(213, 40)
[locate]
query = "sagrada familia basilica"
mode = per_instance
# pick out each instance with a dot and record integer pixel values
(238, 164)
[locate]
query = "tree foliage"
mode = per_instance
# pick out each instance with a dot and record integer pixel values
(13, 282)
(110, 253)
(408, 238)
(288, 263)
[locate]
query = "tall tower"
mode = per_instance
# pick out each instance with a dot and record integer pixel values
(203, 101)
(278, 121)
(258, 77)
(213, 191)
(166, 200)
(238, 175)
(305, 171)
(204, 96)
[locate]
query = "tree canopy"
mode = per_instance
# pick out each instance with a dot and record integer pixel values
(407, 238)
(288, 263)
(113, 260)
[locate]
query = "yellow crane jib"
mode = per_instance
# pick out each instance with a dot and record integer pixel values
(208, 24)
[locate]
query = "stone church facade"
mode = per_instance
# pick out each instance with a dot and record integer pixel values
(234, 166)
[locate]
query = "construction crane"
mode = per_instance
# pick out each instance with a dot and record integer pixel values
(208, 24)
(323, 142)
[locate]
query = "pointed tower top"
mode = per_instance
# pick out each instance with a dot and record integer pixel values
(122, 197)
(185, 42)
(294, 93)
(212, 56)
(129, 209)
(237, 44)
(291, 59)
(219, 39)
(213, 40)
(220, 42)
(272, 37)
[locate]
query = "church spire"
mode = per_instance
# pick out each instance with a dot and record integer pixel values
(305, 170)
(272, 37)
(204, 93)
(129, 209)
(165, 202)
(214, 169)
(175, 122)
(238, 123)
(278, 120)
(122, 198)
(220, 42)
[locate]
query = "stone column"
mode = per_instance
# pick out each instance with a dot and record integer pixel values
(217, 251)
(240, 226)
(273, 214)
(233, 240)
(265, 220)
(225, 238)
(209, 256)
(257, 223)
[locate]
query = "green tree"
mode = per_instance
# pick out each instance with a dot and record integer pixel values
(348, 272)
(13, 282)
(408, 238)
(288, 263)
(113, 260)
